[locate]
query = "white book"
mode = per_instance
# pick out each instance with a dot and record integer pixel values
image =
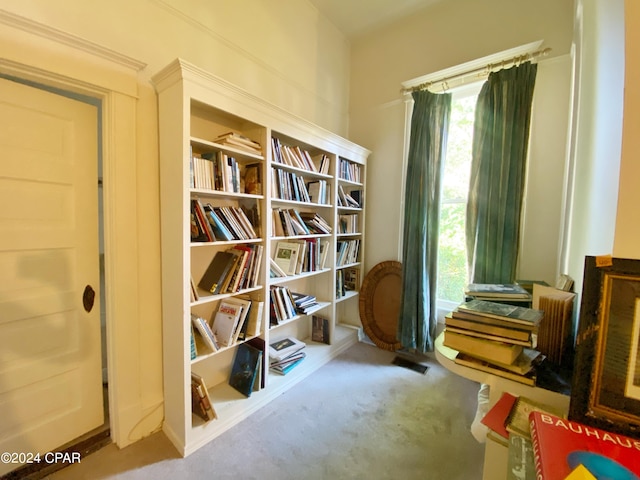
(284, 347)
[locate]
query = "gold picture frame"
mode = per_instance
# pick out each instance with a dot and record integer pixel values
(605, 389)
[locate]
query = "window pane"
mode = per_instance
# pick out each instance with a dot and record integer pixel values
(452, 253)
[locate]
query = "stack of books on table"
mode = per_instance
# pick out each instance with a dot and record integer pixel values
(498, 292)
(496, 338)
(285, 354)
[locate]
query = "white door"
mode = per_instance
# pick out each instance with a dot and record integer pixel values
(50, 358)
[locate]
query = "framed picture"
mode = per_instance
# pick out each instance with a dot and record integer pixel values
(605, 389)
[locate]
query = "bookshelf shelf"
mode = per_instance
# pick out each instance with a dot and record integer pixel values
(218, 155)
(219, 193)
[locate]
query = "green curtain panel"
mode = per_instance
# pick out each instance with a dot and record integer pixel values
(498, 166)
(429, 127)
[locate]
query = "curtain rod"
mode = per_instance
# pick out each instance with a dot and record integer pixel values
(480, 71)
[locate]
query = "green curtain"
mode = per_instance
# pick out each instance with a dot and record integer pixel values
(498, 166)
(429, 127)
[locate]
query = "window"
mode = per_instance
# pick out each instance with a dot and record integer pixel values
(452, 254)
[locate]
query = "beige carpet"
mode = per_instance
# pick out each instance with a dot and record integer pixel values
(358, 417)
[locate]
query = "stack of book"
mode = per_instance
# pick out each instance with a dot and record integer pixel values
(286, 305)
(236, 140)
(286, 354)
(496, 338)
(498, 292)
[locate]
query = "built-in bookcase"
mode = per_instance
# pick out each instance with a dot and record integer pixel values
(274, 193)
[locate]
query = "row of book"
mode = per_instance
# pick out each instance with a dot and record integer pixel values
(236, 319)
(297, 157)
(290, 222)
(351, 199)
(295, 256)
(286, 305)
(231, 270)
(543, 444)
(289, 186)
(495, 337)
(221, 172)
(349, 171)
(347, 252)
(347, 279)
(222, 223)
(349, 223)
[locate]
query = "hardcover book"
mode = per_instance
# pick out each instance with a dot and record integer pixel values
(496, 417)
(511, 314)
(281, 349)
(562, 448)
(200, 402)
(479, 347)
(319, 329)
(497, 290)
(246, 364)
(489, 329)
(225, 322)
(216, 272)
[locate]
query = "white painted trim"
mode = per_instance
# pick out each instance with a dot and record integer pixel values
(64, 38)
(39, 53)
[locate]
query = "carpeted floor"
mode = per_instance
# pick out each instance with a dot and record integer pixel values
(358, 417)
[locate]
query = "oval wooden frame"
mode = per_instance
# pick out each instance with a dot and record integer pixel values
(372, 319)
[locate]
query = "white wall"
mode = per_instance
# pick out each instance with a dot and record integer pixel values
(449, 34)
(596, 147)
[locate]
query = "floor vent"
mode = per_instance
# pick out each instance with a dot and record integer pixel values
(416, 367)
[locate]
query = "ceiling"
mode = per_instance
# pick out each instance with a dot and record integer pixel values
(356, 17)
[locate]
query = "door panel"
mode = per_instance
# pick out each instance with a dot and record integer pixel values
(50, 358)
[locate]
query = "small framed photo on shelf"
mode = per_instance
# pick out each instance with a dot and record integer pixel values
(606, 380)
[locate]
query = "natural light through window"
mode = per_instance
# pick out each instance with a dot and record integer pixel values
(452, 255)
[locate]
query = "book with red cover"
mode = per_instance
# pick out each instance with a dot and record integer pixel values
(496, 417)
(560, 446)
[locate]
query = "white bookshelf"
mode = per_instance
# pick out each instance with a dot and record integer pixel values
(194, 108)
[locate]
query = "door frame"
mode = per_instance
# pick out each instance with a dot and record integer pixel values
(38, 53)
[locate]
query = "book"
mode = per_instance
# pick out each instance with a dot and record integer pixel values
(225, 322)
(193, 346)
(319, 329)
(497, 416)
(518, 421)
(286, 256)
(486, 349)
(497, 290)
(489, 312)
(245, 305)
(561, 446)
(246, 364)
(205, 331)
(528, 378)
(261, 345)
(253, 179)
(510, 332)
(280, 349)
(200, 402)
(216, 272)
(286, 366)
(520, 459)
(531, 342)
